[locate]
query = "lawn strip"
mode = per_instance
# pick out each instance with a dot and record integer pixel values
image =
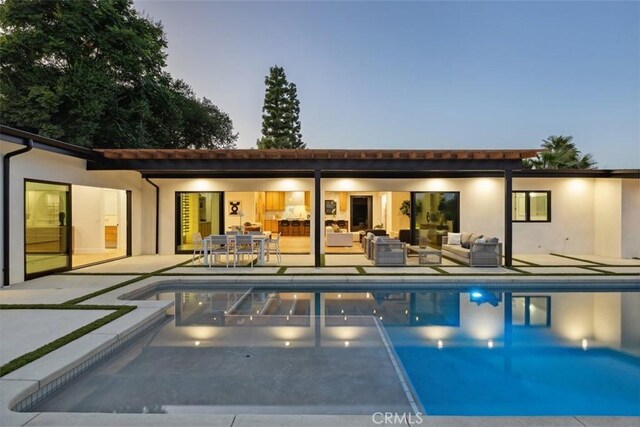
(56, 344)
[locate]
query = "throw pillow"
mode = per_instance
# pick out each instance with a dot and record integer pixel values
(454, 238)
(465, 237)
(481, 240)
(467, 244)
(492, 240)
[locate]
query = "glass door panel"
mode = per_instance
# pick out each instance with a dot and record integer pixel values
(198, 215)
(47, 228)
(433, 215)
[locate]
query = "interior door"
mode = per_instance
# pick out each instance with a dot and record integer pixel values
(361, 213)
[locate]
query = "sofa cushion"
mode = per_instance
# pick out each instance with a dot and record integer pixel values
(457, 250)
(454, 238)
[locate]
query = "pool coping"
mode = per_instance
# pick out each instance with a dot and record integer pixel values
(44, 375)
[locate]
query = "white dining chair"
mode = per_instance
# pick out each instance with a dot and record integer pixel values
(273, 244)
(218, 245)
(197, 247)
(244, 245)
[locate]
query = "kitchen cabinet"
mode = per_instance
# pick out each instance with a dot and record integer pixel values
(110, 236)
(274, 201)
(271, 225)
(307, 201)
(343, 201)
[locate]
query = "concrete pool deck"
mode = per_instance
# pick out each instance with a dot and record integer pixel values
(57, 289)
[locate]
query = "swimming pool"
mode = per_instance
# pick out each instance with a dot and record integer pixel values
(356, 352)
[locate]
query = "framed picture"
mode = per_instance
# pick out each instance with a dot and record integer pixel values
(235, 208)
(330, 207)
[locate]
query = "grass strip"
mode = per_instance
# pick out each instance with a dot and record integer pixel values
(323, 261)
(577, 259)
(587, 267)
(19, 362)
(440, 270)
(517, 270)
(125, 283)
(361, 270)
(281, 270)
(533, 264)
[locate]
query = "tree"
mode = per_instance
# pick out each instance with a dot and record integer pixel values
(560, 153)
(90, 72)
(281, 113)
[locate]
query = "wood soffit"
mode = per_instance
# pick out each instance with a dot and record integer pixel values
(311, 154)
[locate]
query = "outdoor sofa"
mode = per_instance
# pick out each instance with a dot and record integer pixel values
(386, 251)
(474, 250)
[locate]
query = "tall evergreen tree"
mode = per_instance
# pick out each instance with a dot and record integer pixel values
(280, 113)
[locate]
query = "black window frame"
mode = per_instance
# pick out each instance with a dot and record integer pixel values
(527, 312)
(527, 206)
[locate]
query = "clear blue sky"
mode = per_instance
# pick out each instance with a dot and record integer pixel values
(421, 74)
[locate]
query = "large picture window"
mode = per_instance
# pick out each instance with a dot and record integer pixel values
(531, 206)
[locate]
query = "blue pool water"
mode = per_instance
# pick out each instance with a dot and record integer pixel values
(549, 381)
(463, 353)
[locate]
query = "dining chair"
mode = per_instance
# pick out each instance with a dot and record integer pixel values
(218, 245)
(197, 247)
(273, 244)
(244, 245)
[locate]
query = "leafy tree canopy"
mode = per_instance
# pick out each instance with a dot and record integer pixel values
(560, 153)
(90, 72)
(280, 113)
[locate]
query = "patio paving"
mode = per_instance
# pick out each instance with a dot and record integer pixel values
(28, 330)
(222, 270)
(136, 264)
(549, 260)
(322, 270)
(56, 289)
(621, 270)
(557, 270)
(400, 270)
(478, 270)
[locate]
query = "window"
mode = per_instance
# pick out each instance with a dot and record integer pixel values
(531, 311)
(531, 206)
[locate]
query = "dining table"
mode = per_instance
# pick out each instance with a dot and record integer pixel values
(261, 240)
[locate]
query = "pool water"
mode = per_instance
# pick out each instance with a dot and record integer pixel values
(461, 353)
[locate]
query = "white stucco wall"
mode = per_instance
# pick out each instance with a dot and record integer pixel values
(572, 217)
(630, 218)
(607, 211)
(43, 165)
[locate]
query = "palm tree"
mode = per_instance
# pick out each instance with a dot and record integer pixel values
(560, 153)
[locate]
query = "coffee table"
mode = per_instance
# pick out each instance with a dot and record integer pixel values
(424, 254)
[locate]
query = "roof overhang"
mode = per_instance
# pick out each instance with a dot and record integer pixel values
(21, 137)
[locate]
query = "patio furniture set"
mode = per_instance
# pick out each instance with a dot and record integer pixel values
(469, 248)
(236, 245)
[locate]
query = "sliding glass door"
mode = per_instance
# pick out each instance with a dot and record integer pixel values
(433, 214)
(47, 233)
(198, 214)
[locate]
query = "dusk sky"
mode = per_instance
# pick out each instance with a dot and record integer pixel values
(441, 75)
